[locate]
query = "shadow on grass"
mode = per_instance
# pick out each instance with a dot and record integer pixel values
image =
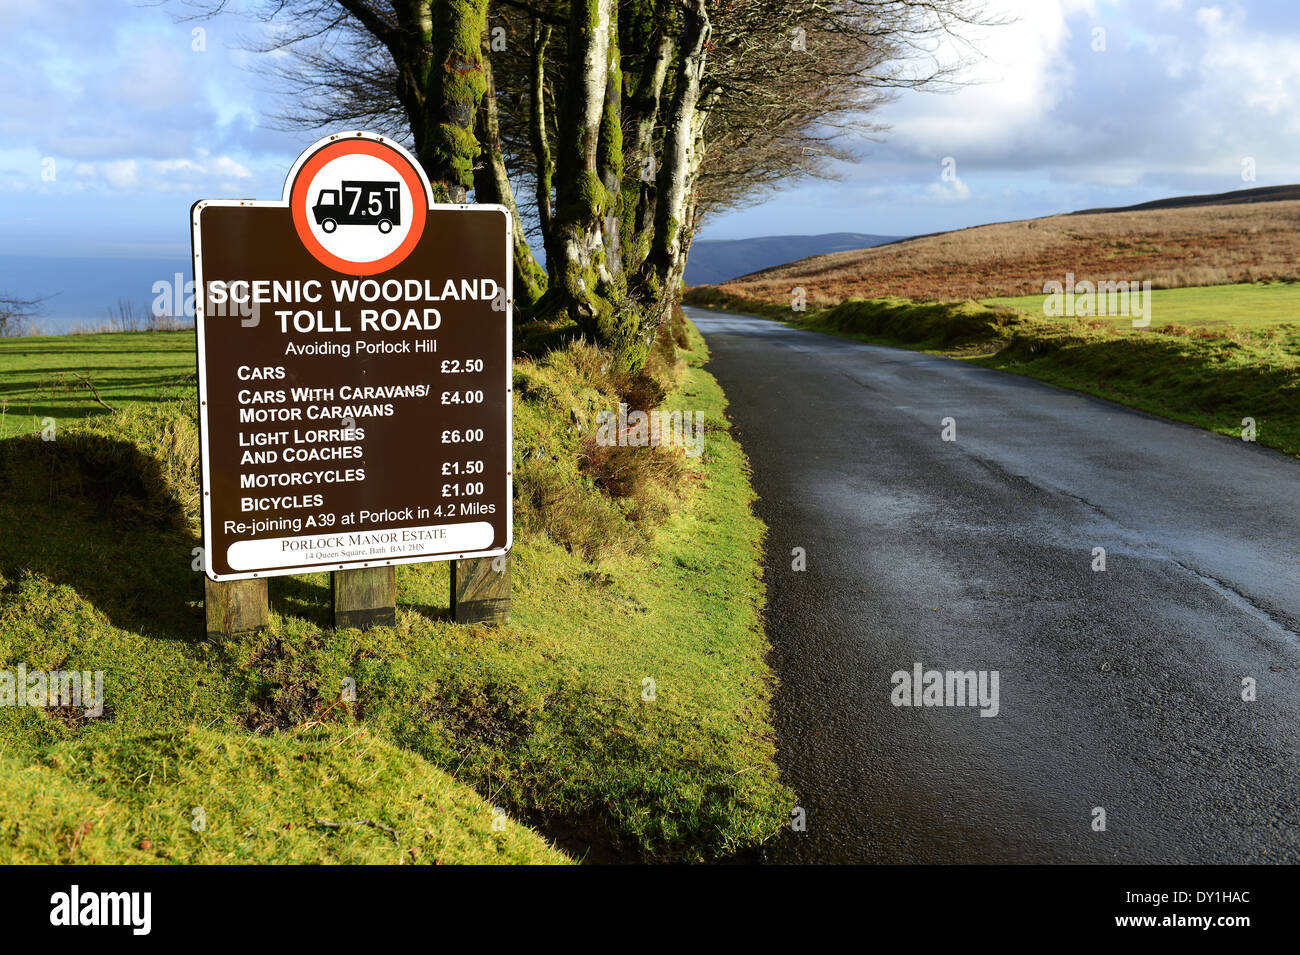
(428, 611)
(297, 597)
(95, 514)
(68, 378)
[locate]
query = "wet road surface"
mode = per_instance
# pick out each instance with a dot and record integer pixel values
(1118, 690)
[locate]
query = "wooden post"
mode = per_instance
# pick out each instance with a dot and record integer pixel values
(480, 590)
(235, 606)
(364, 598)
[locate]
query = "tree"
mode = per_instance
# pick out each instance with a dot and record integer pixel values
(15, 313)
(621, 122)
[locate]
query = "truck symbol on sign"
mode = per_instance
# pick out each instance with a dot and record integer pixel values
(363, 203)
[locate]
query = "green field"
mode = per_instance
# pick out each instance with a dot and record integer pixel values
(546, 719)
(1257, 305)
(52, 376)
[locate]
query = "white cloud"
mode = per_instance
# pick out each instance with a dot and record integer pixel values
(229, 168)
(168, 166)
(952, 190)
(212, 176)
(121, 173)
(1021, 74)
(1176, 94)
(1209, 19)
(1258, 70)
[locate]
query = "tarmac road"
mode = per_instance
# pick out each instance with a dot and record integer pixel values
(1118, 690)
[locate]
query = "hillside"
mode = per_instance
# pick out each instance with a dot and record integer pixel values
(1174, 246)
(717, 260)
(1237, 196)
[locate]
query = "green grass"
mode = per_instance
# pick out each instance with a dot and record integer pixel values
(544, 718)
(1213, 378)
(46, 376)
(208, 796)
(1247, 306)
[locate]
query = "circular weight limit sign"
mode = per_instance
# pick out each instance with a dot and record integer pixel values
(358, 206)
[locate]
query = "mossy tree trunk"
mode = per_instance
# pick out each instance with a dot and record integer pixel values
(454, 82)
(445, 86)
(617, 245)
(492, 184)
(677, 202)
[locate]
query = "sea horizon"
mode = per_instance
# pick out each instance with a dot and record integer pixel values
(85, 292)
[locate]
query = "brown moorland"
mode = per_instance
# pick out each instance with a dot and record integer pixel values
(1172, 247)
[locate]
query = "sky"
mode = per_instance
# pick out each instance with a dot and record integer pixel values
(115, 117)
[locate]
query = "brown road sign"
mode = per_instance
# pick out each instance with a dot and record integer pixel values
(354, 369)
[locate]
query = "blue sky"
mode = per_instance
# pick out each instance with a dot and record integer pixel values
(135, 123)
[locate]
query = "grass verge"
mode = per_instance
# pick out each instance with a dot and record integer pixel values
(625, 707)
